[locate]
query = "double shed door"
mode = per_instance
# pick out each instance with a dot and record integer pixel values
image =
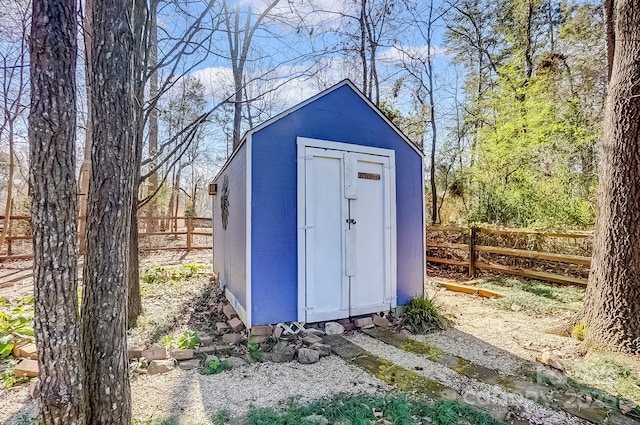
(348, 234)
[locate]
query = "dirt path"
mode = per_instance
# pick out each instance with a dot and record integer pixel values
(480, 330)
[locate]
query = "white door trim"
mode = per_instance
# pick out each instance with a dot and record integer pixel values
(302, 144)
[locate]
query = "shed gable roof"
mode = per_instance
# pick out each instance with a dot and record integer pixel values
(345, 82)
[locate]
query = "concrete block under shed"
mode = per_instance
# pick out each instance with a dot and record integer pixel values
(363, 321)
(262, 330)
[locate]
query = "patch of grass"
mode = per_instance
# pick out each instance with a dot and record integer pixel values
(220, 418)
(421, 315)
(534, 296)
(368, 409)
(163, 274)
(608, 373)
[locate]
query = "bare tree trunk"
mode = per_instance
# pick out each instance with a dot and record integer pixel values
(134, 296)
(85, 169)
(109, 207)
(611, 308)
(363, 49)
(53, 49)
(432, 118)
(153, 114)
(143, 19)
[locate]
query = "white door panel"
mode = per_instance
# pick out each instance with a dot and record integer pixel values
(368, 211)
(327, 284)
(348, 266)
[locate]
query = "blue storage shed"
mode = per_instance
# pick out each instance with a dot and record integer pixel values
(319, 214)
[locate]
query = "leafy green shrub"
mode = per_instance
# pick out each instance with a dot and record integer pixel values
(421, 315)
(8, 378)
(189, 339)
(214, 366)
(15, 325)
(579, 331)
(169, 342)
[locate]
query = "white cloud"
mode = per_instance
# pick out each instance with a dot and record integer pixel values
(397, 55)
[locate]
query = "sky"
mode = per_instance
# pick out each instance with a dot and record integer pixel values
(295, 55)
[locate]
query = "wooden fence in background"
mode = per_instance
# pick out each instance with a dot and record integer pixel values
(155, 233)
(469, 252)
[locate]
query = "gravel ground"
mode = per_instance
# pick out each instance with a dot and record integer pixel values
(493, 394)
(458, 343)
(194, 397)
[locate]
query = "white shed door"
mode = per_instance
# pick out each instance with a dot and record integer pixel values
(347, 234)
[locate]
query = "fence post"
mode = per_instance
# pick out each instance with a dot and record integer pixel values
(81, 233)
(472, 252)
(189, 230)
(9, 234)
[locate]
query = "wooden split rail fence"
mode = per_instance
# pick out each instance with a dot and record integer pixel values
(439, 252)
(155, 233)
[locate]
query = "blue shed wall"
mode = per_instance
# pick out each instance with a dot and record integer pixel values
(230, 245)
(339, 116)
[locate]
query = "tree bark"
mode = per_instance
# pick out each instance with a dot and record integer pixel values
(612, 307)
(53, 49)
(109, 207)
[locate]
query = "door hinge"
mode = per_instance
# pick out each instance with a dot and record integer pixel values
(306, 227)
(305, 308)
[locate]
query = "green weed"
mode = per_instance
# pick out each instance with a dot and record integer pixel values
(421, 315)
(254, 350)
(215, 366)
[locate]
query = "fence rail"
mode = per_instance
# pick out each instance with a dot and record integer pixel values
(440, 252)
(155, 233)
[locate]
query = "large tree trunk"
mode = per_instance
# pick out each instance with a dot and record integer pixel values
(52, 126)
(109, 206)
(612, 303)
